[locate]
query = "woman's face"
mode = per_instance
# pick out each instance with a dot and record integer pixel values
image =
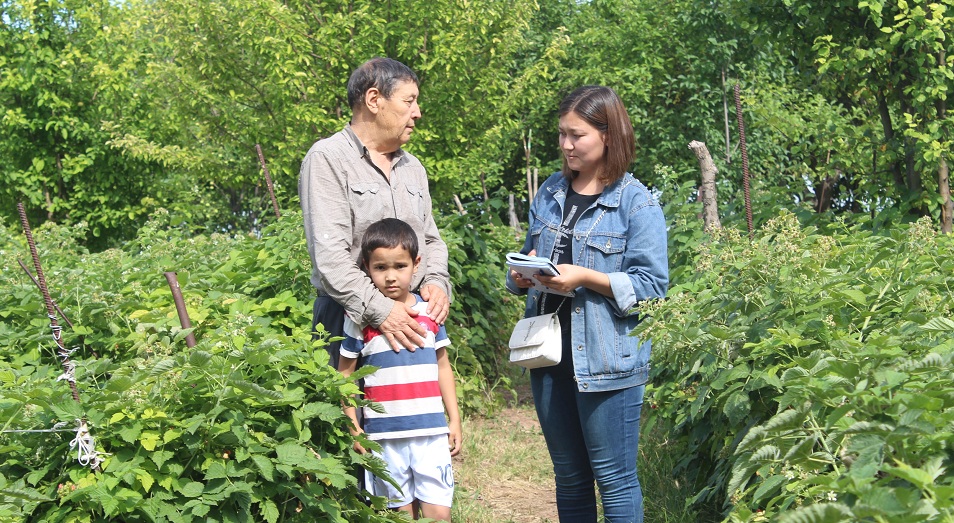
(582, 144)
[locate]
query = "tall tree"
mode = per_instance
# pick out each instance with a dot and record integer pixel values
(227, 74)
(886, 58)
(58, 81)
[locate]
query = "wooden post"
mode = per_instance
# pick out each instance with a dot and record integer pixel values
(531, 191)
(460, 206)
(707, 191)
(947, 205)
(745, 160)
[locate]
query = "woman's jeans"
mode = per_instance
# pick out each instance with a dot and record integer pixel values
(590, 436)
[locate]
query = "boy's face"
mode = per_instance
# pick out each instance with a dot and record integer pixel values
(391, 271)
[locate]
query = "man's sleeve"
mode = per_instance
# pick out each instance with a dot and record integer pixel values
(436, 271)
(326, 211)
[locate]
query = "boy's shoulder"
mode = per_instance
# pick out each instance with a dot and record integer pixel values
(422, 318)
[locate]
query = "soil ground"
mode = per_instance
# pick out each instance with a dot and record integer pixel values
(512, 479)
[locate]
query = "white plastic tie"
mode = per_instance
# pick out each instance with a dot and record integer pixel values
(69, 374)
(85, 447)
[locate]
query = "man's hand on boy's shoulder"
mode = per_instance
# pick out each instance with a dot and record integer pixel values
(402, 329)
(428, 324)
(438, 306)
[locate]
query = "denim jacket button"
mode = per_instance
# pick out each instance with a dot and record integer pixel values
(579, 309)
(586, 385)
(579, 347)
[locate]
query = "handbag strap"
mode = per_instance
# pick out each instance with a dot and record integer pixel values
(543, 300)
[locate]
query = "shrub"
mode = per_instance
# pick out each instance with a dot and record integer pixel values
(246, 425)
(808, 374)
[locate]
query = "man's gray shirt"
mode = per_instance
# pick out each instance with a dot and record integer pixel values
(342, 192)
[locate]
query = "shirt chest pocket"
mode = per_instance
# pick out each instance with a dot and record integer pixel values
(605, 252)
(368, 204)
(417, 203)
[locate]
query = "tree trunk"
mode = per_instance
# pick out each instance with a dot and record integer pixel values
(947, 205)
(725, 113)
(514, 221)
(823, 192)
(885, 113)
(944, 173)
(707, 191)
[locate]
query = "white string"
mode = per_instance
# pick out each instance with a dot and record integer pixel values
(59, 426)
(33, 431)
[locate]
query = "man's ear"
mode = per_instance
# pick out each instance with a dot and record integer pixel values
(371, 99)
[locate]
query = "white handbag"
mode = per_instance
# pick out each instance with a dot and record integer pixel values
(537, 342)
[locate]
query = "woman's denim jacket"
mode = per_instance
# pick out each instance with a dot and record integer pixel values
(622, 235)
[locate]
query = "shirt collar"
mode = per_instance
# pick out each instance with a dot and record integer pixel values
(349, 132)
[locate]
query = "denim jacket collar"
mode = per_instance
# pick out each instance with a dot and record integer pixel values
(609, 198)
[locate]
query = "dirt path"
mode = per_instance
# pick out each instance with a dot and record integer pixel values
(505, 469)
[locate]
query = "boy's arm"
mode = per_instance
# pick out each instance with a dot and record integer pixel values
(347, 366)
(445, 381)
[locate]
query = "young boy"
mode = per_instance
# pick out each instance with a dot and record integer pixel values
(414, 387)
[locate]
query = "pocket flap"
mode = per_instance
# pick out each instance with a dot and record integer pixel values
(533, 331)
(362, 188)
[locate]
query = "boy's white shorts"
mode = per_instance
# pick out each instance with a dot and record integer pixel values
(421, 466)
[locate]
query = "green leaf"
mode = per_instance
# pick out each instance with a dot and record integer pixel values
(67, 410)
(265, 466)
(737, 407)
(939, 325)
(294, 454)
(149, 439)
(768, 487)
(819, 513)
(737, 372)
(163, 366)
(192, 489)
(853, 295)
(269, 510)
(216, 471)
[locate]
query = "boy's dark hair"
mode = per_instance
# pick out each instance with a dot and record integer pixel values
(388, 233)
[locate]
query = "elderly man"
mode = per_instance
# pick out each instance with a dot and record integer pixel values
(355, 178)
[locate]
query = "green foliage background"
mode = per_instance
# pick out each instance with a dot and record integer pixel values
(803, 370)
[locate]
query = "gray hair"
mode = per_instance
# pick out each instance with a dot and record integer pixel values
(382, 73)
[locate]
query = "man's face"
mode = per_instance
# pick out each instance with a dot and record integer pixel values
(397, 115)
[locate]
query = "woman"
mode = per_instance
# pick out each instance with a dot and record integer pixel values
(607, 235)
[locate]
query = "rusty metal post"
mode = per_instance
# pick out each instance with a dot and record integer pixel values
(61, 352)
(180, 306)
(745, 159)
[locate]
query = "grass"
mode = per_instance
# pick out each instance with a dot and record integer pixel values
(504, 474)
